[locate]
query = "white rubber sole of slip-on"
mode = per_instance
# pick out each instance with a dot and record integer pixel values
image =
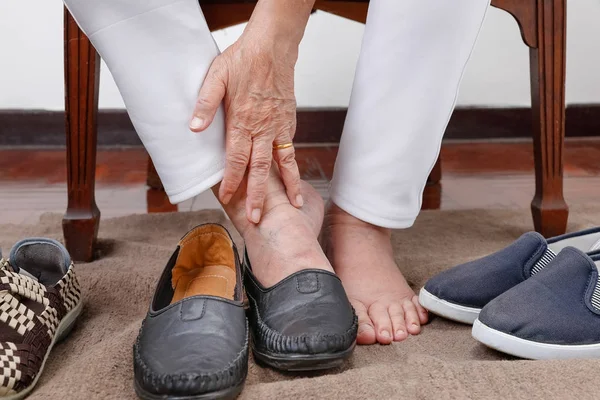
(443, 308)
(63, 330)
(529, 349)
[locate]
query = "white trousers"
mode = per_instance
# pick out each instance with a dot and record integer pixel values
(413, 56)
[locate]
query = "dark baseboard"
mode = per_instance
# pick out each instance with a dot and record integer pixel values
(46, 128)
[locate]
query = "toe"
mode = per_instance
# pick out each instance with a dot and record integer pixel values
(378, 312)
(413, 325)
(366, 330)
(423, 314)
(398, 325)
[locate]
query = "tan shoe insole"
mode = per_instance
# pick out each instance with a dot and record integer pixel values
(212, 280)
(205, 264)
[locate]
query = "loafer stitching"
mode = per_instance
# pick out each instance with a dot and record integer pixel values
(231, 367)
(264, 328)
(262, 289)
(201, 314)
(308, 292)
(156, 313)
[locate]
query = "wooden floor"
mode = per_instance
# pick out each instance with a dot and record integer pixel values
(475, 175)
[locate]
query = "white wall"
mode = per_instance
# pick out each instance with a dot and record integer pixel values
(31, 71)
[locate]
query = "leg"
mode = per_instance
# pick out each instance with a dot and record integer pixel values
(159, 52)
(550, 212)
(82, 73)
(413, 56)
(285, 240)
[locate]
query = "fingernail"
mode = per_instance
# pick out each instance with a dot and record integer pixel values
(196, 123)
(385, 334)
(227, 198)
(256, 215)
(299, 200)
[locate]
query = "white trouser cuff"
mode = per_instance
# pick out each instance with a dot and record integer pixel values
(365, 213)
(179, 196)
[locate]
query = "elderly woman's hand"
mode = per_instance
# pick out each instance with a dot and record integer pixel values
(255, 80)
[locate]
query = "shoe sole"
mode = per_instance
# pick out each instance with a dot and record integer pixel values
(529, 349)
(63, 330)
(443, 308)
(303, 362)
(223, 394)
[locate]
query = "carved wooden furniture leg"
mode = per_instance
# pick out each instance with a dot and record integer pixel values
(550, 211)
(543, 28)
(432, 196)
(156, 197)
(82, 73)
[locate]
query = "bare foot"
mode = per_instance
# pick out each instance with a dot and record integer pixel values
(387, 308)
(285, 241)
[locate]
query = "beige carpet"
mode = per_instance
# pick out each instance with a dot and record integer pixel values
(444, 362)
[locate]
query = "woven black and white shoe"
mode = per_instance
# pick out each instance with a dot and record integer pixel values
(40, 300)
(461, 292)
(553, 315)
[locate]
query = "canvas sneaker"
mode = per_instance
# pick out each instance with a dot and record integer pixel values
(461, 292)
(553, 315)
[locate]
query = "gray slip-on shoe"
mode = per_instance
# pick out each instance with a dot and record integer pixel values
(461, 292)
(303, 323)
(553, 315)
(193, 343)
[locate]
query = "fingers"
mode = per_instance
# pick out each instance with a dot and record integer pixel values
(209, 99)
(290, 175)
(260, 163)
(239, 147)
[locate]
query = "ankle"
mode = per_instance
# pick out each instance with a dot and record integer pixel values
(334, 215)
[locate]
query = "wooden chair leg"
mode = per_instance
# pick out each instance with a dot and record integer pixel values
(543, 28)
(550, 211)
(82, 73)
(432, 196)
(156, 198)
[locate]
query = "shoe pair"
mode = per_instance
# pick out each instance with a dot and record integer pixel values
(40, 300)
(193, 343)
(536, 299)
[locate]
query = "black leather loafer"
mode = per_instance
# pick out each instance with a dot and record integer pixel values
(305, 322)
(193, 344)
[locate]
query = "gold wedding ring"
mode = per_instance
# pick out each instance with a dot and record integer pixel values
(282, 146)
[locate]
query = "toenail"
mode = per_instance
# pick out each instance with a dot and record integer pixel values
(400, 333)
(364, 328)
(385, 334)
(415, 325)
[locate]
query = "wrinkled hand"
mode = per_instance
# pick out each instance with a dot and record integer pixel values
(254, 78)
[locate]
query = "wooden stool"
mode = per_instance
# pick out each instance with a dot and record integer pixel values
(542, 24)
